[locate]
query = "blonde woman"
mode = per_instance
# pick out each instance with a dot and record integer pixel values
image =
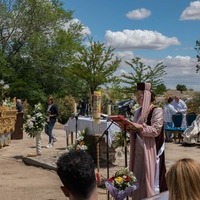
(183, 180)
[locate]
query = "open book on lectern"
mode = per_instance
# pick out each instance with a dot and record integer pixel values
(124, 123)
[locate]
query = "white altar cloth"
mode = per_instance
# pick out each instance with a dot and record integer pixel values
(93, 128)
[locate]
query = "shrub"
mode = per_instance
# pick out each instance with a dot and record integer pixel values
(66, 108)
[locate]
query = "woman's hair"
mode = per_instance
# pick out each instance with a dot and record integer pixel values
(183, 180)
(51, 99)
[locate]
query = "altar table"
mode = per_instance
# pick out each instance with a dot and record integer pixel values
(93, 128)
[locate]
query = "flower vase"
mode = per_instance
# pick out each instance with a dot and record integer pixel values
(38, 143)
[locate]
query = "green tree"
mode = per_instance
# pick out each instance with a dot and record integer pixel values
(35, 49)
(160, 89)
(95, 65)
(116, 91)
(197, 48)
(143, 73)
(181, 88)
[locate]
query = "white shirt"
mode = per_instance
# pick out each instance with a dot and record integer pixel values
(169, 110)
(180, 106)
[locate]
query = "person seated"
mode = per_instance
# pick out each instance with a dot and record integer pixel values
(76, 170)
(183, 180)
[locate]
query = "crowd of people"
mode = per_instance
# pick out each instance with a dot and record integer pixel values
(76, 169)
(147, 152)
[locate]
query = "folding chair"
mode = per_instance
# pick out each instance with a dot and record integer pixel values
(176, 129)
(177, 120)
(190, 117)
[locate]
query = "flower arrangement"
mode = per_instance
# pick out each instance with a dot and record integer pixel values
(7, 102)
(35, 122)
(122, 184)
(3, 90)
(79, 144)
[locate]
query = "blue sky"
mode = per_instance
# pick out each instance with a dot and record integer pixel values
(153, 30)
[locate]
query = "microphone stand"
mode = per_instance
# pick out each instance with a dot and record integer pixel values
(76, 127)
(76, 117)
(107, 150)
(125, 146)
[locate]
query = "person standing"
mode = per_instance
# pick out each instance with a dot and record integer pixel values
(169, 110)
(180, 106)
(147, 159)
(52, 114)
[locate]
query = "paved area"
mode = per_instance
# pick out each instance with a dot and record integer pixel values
(19, 150)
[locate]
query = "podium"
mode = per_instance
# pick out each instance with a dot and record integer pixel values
(126, 126)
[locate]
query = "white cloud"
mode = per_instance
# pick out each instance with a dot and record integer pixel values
(124, 55)
(85, 30)
(192, 12)
(180, 69)
(139, 39)
(138, 14)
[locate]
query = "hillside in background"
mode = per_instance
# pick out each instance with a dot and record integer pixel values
(185, 95)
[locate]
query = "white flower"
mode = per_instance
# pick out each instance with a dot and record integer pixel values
(81, 147)
(6, 86)
(79, 132)
(2, 82)
(28, 116)
(34, 122)
(84, 147)
(30, 124)
(80, 138)
(38, 114)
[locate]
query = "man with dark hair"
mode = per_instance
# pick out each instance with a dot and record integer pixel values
(76, 170)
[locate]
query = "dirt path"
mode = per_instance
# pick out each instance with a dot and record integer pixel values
(18, 181)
